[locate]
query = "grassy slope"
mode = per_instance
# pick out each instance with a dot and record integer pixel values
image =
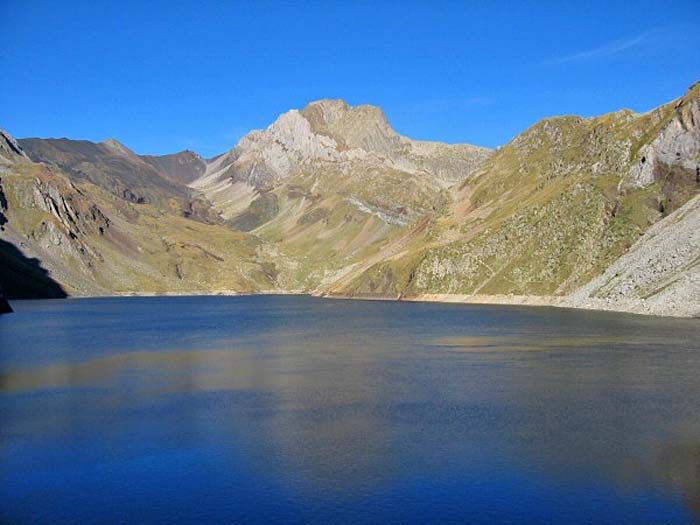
(318, 229)
(545, 214)
(142, 249)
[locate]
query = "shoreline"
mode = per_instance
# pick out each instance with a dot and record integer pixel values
(190, 293)
(637, 307)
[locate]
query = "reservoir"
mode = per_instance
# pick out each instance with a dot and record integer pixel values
(304, 410)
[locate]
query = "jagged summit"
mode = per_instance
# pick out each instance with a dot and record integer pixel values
(365, 127)
(332, 131)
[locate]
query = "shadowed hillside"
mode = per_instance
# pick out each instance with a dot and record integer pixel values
(23, 277)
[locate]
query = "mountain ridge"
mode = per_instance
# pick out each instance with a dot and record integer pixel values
(331, 200)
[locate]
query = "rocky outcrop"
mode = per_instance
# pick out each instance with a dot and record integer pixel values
(330, 131)
(64, 206)
(366, 129)
(264, 158)
(3, 206)
(676, 146)
(10, 150)
(361, 127)
(75, 221)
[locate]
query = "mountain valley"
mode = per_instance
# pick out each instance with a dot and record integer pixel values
(597, 212)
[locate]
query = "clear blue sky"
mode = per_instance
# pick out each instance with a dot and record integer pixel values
(165, 76)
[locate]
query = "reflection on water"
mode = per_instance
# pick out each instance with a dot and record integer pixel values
(300, 409)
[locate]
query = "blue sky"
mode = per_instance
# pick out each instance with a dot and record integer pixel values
(165, 76)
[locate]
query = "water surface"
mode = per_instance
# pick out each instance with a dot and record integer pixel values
(296, 409)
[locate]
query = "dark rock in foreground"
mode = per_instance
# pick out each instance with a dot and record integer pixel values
(5, 307)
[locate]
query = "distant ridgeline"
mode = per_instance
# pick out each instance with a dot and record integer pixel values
(596, 212)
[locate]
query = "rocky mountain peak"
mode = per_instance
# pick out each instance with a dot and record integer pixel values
(363, 127)
(263, 157)
(325, 111)
(331, 136)
(294, 132)
(117, 147)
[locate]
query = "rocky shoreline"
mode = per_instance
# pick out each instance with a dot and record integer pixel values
(640, 307)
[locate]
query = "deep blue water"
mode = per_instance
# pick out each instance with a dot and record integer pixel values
(296, 409)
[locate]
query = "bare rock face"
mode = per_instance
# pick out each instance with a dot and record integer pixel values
(676, 146)
(366, 129)
(333, 131)
(361, 127)
(263, 158)
(75, 220)
(70, 207)
(10, 150)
